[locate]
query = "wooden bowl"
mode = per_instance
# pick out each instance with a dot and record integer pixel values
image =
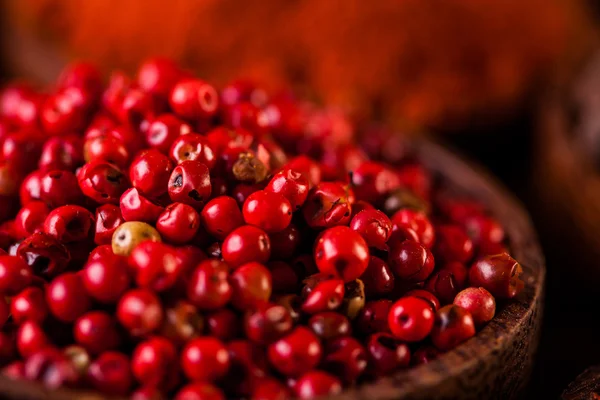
(493, 365)
(585, 387)
(566, 177)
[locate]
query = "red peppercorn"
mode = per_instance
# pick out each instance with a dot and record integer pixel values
(499, 274)
(193, 147)
(377, 278)
(140, 312)
(326, 295)
(343, 252)
(372, 180)
(20, 147)
(373, 317)
(149, 173)
(292, 185)
(154, 265)
(106, 148)
(30, 219)
(67, 298)
(51, 367)
(182, 323)
(327, 205)
(31, 187)
(69, 224)
(453, 244)
(154, 363)
(135, 207)
(448, 281)
(64, 153)
(194, 99)
(479, 302)
(374, 226)
(108, 218)
(425, 355)
(178, 223)
(58, 188)
(411, 261)
(31, 338)
(453, 325)
(316, 384)
(15, 275)
(29, 305)
(386, 354)
(410, 319)
(267, 323)
(329, 325)
(199, 391)
(246, 244)
(270, 389)
(309, 168)
(96, 331)
(296, 353)
(208, 287)
(418, 222)
(484, 231)
(204, 359)
(164, 130)
(105, 278)
(285, 243)
(110, 374)
(102, 182)
(189, 183)
(223, 324)
(251, 286)
(158, 76)
(269, 211)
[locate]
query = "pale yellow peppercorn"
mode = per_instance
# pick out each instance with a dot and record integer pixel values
(129, 234)
(354, 299)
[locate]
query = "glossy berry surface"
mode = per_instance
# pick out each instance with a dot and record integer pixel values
(342, 252)
(410, 319)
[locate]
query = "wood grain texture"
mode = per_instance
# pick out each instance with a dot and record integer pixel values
(585, 387)
(495, 364)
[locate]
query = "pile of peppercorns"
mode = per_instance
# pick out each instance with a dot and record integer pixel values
(162, 238)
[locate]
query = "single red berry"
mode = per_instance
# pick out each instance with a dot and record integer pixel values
(136, 207)
(452, 244)
(329, 325)
(110, 374)
(477, 301)
(208, 287)
(326, 295)
(205, 359)
(108, 218)
(377, 278)
(223, 324)
(154, 363)
(267, 323)
(45, 255)
(373, 180)
(316, 384)
(182, 323)
(29, 305)
(453, 325)
(373, 317)
(140, 312)
(374, 226)
(15, 275)
(296, 353)
(292, 185)
(64, 153)
(31, 338)
(410, 319)
(269, 211)
(484, 231)
(69, 224)
(386, 354)
(327, 205)
(67, 298)
(178, 223)
(199, 391)
(96, 331)
(154, 265)
(30, 219)
(20, 147)
(31, 187)
(285, 243)
(246, 244)
(343, 252)
(193, 147)
(189, 256)
(81, 75)
(149, 173)
(411, 261)
(190, 184)
(164, 130)
(59, 188)
(158, 76)
(220, 216)
(346, 358)
(105, 278)
(106, 148)
(425, 295)
(102, 182)
(50, 367)
(418, 222)
(251, 286)
(194, 99)
(309, 168)
(499, 274)
(448, 281)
